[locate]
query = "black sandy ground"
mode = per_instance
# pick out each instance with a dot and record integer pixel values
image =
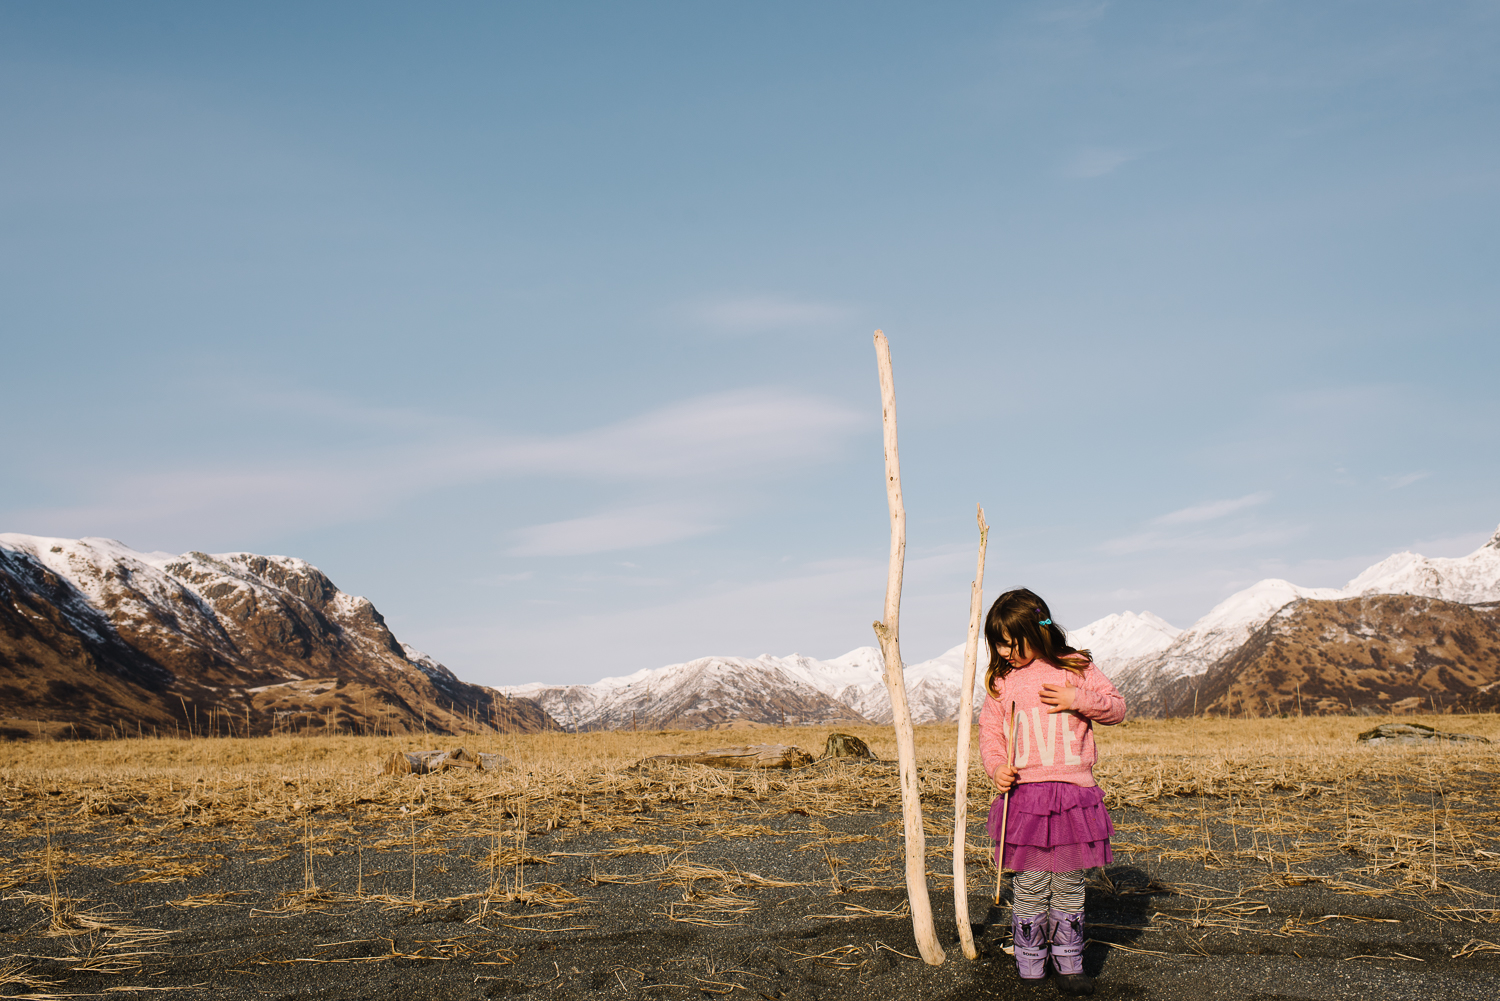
(667, 909)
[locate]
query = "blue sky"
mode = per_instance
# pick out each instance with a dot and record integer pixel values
(547, 327)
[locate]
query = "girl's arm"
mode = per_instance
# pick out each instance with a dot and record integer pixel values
(1098, 699)
(993, 751)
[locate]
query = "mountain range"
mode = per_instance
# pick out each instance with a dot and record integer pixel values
(1408, 628)
(714, 692)
(107, 640)
(102, 639)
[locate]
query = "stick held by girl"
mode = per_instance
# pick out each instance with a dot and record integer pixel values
(1058, 826)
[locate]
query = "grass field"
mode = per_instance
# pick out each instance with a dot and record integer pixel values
(290, 865)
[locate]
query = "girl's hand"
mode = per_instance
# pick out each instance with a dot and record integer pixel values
(1059, 697)
(1005, 776)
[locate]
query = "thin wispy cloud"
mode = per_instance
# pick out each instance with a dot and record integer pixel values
(736, 436)
(1097, 161)
(1397, 482)
(822, 610)
(739, 433)
(256, 395)
(758, 313)
(1073, 14)
(608, 531)
(503, 579)
(1141, 542)
(247, 500)
(1199, 528)
(1211, 510)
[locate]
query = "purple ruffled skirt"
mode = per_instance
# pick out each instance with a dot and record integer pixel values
(1053, 827)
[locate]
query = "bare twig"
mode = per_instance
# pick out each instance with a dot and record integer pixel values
(961, 773)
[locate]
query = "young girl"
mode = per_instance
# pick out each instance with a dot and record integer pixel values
(1058, 826)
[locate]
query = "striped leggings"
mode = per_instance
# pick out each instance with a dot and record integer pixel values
(1038, 890)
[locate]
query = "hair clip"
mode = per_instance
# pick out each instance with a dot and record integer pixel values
(1045, 622)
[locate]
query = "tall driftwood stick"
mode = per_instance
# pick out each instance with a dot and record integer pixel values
(1010, 750)
(965, 728)
(888, 632)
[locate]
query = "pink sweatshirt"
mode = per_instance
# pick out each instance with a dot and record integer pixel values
(1056, 747)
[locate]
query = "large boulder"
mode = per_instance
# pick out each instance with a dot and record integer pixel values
(843, 745)
(431, 762)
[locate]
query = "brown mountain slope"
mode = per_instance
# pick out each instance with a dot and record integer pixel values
(98, 636)
(1375, 654)
(61, 660)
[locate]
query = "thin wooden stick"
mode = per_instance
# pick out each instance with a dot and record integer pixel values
(888, 632)
(965, 728)
(1010, 749)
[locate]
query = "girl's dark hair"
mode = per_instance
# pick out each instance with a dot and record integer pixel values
(1019, 615)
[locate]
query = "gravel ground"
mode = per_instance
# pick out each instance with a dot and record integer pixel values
(663, 909)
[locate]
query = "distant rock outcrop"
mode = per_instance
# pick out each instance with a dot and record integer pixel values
(97, 635)
(1414, 733)
(747, 756)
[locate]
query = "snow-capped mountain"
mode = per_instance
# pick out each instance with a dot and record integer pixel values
(1228, 625)
(1118, 639)
(714, 691)
(857, 679)
(1467, 579)
(701, 694)
(96, 634)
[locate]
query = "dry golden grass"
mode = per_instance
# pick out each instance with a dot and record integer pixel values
(1293, 791)
(560, 780)
(1279, 802)
(569, 781)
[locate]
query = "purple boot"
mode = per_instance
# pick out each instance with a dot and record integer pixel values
(1030, 937)
(1067, 952)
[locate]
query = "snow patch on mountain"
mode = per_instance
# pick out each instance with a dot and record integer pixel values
(158, 593)
(1117, 639)
(1230, 623)
(1467, 579)
(932, 686)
